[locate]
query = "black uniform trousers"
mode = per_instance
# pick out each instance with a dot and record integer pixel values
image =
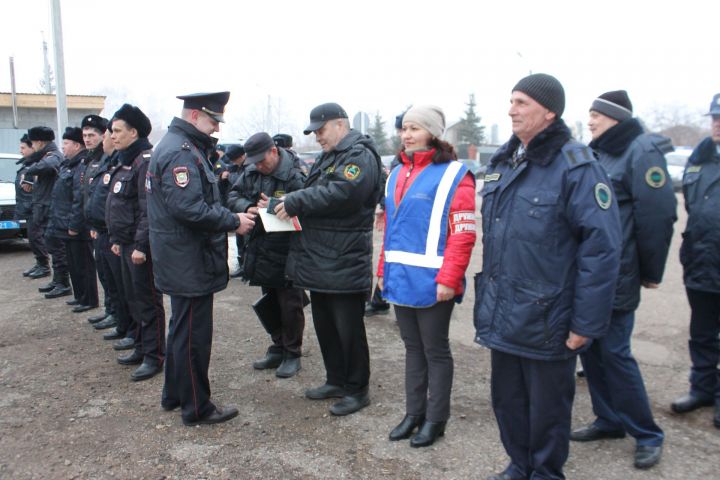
(428, 360)
(126, 324)
(56, 249)
(188, 357)
(81, 265)
(704, 344)
(146, 305)
(532, 400)
(101, 244)
(288, 340)
(340, 327)
(36, 237)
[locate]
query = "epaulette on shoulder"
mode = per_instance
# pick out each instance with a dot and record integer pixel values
(654, 141)
(577, 154)
(185, 146)
(147, 155)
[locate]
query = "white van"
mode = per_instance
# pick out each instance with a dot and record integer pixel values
(9, 227)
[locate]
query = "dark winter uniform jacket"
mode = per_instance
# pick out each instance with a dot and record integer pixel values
(126, 207)
(23, 199)
(700, 250)
(97, 188)
(43, 173)
(551, 248)
(636, 165)
(65, 211)
(333, 252)
(188, 223)
(266, 253)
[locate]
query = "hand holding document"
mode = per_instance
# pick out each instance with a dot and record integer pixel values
(274, 224)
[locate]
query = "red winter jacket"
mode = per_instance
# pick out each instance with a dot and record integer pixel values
(461, 236)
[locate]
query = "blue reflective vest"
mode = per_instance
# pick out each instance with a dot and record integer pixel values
(416, 233)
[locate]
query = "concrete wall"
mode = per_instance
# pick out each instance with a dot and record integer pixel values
(32, 117)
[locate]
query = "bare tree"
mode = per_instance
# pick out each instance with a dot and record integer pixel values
(683, 126)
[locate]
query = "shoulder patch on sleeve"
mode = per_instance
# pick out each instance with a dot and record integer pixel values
(603, 195)
(577, 154)
(655, 177)
(351, 171)
(181, 176)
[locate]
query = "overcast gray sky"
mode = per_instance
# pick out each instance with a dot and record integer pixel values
(371, 56)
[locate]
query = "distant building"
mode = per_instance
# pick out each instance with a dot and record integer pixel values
(479, 153)
(40, 109)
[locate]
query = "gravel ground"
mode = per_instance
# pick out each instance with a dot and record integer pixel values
(68, 410)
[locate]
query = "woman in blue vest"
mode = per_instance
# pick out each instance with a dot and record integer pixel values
(429, 237)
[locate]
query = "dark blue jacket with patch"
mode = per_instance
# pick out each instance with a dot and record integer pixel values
(97, 189)
(188, 223)
(64, 210)
(700, 250)
(551, 248)
(635, 163)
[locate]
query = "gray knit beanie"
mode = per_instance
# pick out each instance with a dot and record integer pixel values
(615, 104)
(429, 117)
(544, 89)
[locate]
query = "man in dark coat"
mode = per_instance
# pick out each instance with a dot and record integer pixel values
(235, 156)
(127, 221)
(700, 257)
(270, 173)
(637, 170)
(332, 254)
(67, 222)
(551, 254)
(44, 172)
(23, 205)
(188, 236)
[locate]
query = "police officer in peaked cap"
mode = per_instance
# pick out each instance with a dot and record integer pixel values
(186, 213)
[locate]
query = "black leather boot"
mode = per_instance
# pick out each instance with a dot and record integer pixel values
(62, 286)
(270, 360)
(428, 433)
(406, 427)
(39, 272)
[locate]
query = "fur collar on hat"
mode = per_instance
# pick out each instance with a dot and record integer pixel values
(618, 138)
(542, 149)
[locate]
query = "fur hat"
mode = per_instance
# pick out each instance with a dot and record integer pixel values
(429, 117)
(544, 89)
(41, 134)
(615, 104)
(234, 152)
(135, 118)
(26, 140)
(283, 140)
(95, 121)
(74, 134)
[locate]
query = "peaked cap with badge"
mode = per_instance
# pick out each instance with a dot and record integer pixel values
(211, 103)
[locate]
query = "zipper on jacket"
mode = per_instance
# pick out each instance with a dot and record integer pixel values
(402, 190)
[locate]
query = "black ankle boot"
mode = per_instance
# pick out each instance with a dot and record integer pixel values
(406, 427)
(428, 433)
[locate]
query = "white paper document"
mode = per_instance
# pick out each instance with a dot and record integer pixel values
(273, 224)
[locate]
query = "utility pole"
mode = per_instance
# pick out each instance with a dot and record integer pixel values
(13, 93)
(61, 100)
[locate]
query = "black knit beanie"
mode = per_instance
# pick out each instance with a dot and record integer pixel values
(615, 104)
(544, 89)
